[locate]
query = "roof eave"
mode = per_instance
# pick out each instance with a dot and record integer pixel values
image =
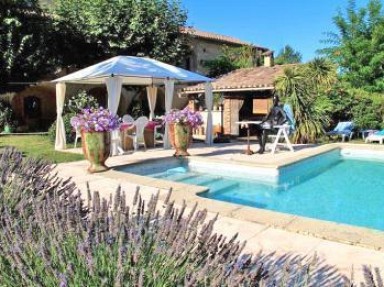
(230, 90)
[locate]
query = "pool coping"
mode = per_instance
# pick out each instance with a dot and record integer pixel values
(323, 229)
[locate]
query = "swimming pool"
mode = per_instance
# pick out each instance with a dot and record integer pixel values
(344, 186)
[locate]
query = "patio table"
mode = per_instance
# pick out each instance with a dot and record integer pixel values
(246, 124)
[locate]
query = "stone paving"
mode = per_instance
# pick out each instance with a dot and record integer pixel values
(277, 234)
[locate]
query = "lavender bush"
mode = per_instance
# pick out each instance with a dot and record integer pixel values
(95, 120)
(26, 181)
(185, 116)
(145, 244)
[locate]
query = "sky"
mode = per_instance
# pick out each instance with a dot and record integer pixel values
(302, 24)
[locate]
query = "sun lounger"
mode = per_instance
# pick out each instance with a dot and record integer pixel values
(343, 129)
(376, 137)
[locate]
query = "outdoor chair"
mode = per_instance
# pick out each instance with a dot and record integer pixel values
(127, 119)
(284, 130)
(343, 129)
(77, 136)
(138, 136)
(375, 137)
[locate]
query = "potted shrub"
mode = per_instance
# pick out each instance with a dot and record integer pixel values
(181, 124)
(95, 125)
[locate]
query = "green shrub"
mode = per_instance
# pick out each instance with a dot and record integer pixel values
(6, 114)
(49, 238)
(69, 131)
(80, 101)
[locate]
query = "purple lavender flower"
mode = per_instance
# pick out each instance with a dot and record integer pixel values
(185, 116)
(95, 120)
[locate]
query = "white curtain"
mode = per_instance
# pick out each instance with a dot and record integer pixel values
(169, 88)
(152, 96)
(60, 142)
(209, 104)
(114, 92)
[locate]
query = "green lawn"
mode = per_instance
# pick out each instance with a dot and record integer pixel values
(38, 146)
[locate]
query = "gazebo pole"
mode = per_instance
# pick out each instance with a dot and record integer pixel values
(60, 141)
(209, 104)
(169, 88)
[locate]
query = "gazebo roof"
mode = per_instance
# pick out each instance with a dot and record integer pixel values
(133, 71)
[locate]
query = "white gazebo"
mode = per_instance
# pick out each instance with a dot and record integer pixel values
(128, 70)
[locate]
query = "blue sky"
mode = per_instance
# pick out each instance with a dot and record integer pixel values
(272, 24)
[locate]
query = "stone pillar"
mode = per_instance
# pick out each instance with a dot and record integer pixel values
(227, 116)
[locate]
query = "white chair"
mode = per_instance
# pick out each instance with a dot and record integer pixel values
(158, 135)
(138, 136)
(282, 133)
(127, 119)
(284, 130)
(78, 136)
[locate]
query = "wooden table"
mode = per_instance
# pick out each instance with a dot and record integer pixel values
(248, 150)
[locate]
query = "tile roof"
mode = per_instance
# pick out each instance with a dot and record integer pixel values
(257, 78)
(217, 37)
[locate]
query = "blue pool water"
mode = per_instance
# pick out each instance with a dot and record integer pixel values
(330, 187)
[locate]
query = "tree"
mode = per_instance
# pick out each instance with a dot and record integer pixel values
(130, 27)
(24, 34)
(231, 59)
(288, 55)
(306, 87)
(358, 45)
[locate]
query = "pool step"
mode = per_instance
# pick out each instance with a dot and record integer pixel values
(179, 177)
(202, 180)
(223, 186)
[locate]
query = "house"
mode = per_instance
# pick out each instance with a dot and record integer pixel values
(246, 94)
(208, 46)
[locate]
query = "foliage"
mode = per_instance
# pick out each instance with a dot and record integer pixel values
(185, 116)
(288, 55)
(95, 120)
(6, 114)
(24, 34)
(219, 66)
(231, 59)
(69, 132)
(304, 87)
(79, 102)
(131, 27)
(368, 109)
(38, 146)
(358, 45)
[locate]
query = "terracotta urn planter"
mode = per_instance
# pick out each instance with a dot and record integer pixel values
(96, 149)
(181, 138)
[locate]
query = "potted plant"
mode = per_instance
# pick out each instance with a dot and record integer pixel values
(95, 125)
(181, 124)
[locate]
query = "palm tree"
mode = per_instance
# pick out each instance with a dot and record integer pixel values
(322, 72)
(297, 89)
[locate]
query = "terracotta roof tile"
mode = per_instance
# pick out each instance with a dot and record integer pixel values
(257, 78)
(216, 37)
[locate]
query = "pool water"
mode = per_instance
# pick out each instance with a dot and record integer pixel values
(341, 189)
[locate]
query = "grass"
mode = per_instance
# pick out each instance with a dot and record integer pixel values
(38, 146)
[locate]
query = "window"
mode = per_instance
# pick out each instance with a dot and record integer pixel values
(32, 107)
